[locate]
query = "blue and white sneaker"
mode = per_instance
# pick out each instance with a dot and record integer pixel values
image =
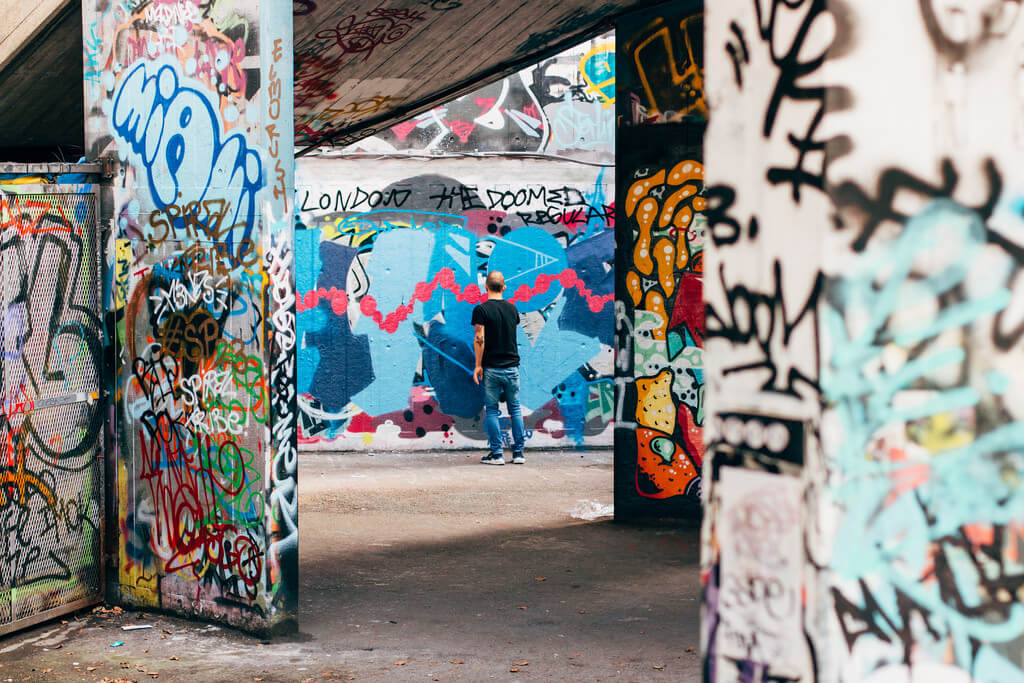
(518, 459)
(493, 459)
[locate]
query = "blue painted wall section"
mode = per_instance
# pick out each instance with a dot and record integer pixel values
(390, 267)
(386, 354)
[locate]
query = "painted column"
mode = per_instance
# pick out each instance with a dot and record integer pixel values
(864, 503)
(191, 103)
(660, 225)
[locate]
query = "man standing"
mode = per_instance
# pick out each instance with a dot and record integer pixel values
(497, 366)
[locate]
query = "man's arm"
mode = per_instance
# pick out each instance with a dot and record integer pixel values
(478, 346)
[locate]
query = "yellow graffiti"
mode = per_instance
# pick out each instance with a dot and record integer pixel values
(596, 61)
(688, 79)
(140, 583)
(941, 432)
(665, 240)
(21, 480)
(654, 407)
(122, 261)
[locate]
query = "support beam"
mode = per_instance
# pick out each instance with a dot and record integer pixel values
(659, 256)
(192, 107)
(864, 504)
(21, 22)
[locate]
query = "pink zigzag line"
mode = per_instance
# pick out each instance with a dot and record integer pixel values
(445, 279)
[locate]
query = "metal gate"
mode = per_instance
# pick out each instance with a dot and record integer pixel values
(51, 420)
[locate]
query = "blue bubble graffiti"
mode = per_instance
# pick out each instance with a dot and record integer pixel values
(173, 131)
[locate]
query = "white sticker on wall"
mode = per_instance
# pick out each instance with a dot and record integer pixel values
(759, 605)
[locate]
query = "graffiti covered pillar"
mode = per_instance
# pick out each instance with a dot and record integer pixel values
(660, 226)
(191, 104)
(864, 502)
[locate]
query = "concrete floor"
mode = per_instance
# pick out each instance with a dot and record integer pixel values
(430, 567)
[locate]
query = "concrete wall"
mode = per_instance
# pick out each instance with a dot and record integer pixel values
(192, 104)
(659, 261)
(863, 325)
(410, 240)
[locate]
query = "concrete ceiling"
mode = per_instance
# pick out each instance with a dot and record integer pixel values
(360, 66)
(41, 96)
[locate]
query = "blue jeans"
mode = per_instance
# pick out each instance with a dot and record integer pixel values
(497, 380)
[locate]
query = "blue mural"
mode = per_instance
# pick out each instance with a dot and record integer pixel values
(386, 292)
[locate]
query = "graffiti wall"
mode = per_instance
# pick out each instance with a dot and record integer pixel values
(391, 256)
(192, 101)
(661, 64)
(660, 232)
(563, 105)
(51, 419)
(863, 329)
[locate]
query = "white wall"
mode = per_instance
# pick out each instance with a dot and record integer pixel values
(892, 534)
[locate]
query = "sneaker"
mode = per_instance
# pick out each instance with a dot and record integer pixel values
(493, 459)
(518, 459)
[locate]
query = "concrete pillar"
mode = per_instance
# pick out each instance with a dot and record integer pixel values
(191, 105)
(863, 497)
(659, 225)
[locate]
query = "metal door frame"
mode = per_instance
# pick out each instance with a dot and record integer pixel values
(91, 187)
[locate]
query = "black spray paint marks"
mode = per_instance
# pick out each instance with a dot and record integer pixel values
(893, 182)
(738, 53)
(792, 71)
(764, 318)
(720, 199)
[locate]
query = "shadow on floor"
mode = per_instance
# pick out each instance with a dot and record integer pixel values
(430, 569)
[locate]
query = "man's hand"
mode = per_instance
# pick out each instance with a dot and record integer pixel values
(478, 374)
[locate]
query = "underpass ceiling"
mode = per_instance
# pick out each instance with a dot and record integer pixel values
(363, 66)
(41, 103)
(360, 65)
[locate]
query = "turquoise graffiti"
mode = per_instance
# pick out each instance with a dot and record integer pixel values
(920, 557)
(598, 69)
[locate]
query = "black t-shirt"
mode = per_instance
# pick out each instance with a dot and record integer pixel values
(500, 319)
